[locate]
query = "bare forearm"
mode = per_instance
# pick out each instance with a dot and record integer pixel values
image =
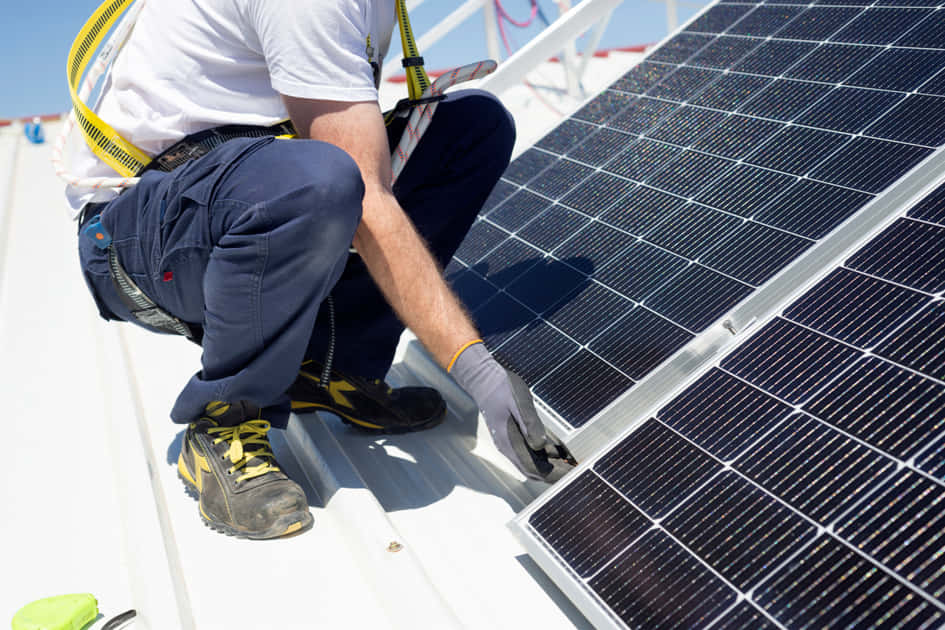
(410, 279)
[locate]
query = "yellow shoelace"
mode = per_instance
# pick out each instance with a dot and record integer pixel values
(239, 437)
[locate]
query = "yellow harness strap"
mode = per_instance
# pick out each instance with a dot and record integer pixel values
(127, 159)
(105, 142)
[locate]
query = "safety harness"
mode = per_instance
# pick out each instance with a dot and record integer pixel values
(130, 162)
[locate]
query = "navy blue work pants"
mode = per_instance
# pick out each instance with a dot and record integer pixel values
(248, 241)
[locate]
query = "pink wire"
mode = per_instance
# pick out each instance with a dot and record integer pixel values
(502, 12)
(531, 88)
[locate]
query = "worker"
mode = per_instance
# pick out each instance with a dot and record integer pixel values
(246, 249)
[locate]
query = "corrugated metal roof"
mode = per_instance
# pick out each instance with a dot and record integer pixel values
(91, 500)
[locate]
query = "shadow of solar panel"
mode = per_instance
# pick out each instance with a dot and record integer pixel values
(549, 281)
(697, 297)
(657, 583)
(595, 244)
(680, 48)
(744, 616)
(693, 230)
(932, 208)
(818, 23)
(854, 308)
(920, 344)
(587, 310)
(639, 342)
(765, 21)
(886, 406)
(580, 404)
(552, 227)
(641, 209)
(784, 99)
(902, 527)
(597, 194)
(566, 135)
(909, 253)
(870, 165)
(880, 25)
(535, 350)
(588, 524)
(602, 107)
(641, 158)
(519, 209)
(744, 189)
(753, 253)
(641, 270)
(797, 150)
(602, 146)
(816, 360)
(730, 91)
(482, 238)
(718, 18)
(899, 69)
(812, 209)
(750, 532)
(527, 165)
(500, 318)
(471, 288)
(686, 124)
(722, 414)
(641, 115)
(560, 178)
(927, 34)
(642, 77)
(500, 193)
(656, 469)
(918, 119)
(848, 109)
(737, 136)
(832, 63)
(724, 51)
(832, 586)
(773, 57)
(689, 172)
(508, 261)
(683, 84)
(814, 468)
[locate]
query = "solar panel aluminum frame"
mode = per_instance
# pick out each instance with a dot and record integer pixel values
(881, 217)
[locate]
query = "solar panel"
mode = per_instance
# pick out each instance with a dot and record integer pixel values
(797, 483)
(737, 150)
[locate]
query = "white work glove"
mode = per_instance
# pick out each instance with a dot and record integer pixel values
(507, 406)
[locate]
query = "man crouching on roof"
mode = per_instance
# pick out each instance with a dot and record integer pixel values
(248, 245)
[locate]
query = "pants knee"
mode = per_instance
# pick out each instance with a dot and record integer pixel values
(326, 191)
(492, 120)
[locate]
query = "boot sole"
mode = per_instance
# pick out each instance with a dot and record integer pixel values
(283, 527)
(367, 427)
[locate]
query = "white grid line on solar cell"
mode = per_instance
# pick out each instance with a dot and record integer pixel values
(845, 514)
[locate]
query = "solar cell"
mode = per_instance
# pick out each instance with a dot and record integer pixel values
(639, 341)
(750, 530)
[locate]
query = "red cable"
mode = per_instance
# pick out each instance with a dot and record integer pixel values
(531, 88)
(502, 12)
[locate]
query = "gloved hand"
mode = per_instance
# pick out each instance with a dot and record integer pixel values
(506, 403)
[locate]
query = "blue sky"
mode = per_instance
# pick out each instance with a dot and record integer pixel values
(35, 37)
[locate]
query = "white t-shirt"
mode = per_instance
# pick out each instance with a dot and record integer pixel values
(190, 65)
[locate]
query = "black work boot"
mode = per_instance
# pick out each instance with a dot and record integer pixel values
(226, 459)
(368, 404)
